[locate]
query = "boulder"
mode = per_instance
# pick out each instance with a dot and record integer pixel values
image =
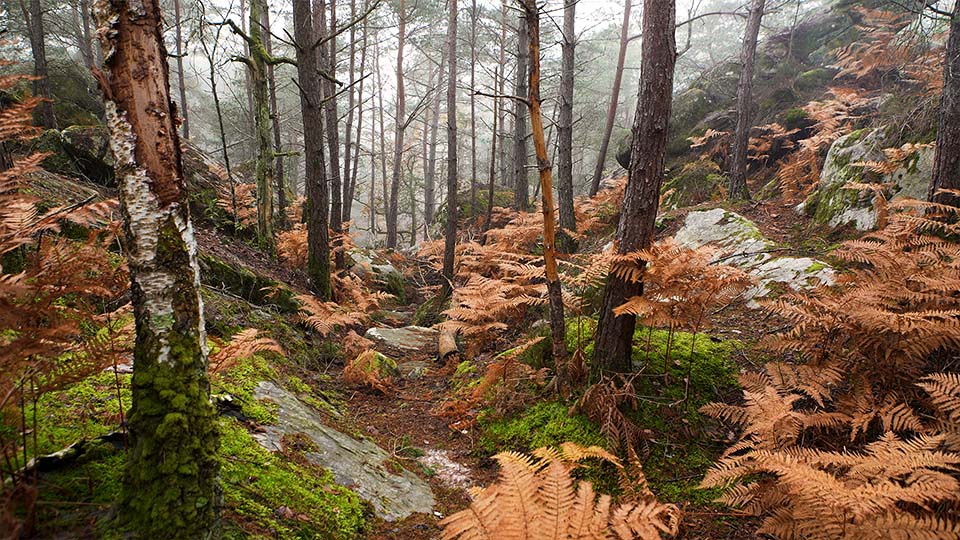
(834, 205)
(359, 464)
(740, 243)
(406, 339)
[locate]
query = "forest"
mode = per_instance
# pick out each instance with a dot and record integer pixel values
(479, 270)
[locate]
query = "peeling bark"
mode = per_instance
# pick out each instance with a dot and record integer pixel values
(169, 489)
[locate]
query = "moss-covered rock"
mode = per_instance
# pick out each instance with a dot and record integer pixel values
(255, 289)
(697, 182)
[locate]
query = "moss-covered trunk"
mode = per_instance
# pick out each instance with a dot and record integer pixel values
(170, 485)
(259, 62)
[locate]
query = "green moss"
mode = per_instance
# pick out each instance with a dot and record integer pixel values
(240, 382)
(545, 424)
(814, 79)
(795, 118)
(815, 267)
(258, 483)
(697, 182)
(245, 284)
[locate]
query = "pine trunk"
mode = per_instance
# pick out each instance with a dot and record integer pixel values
(170, 484)
(473, 107)
(41, 86)
(450, 235)
(347, 200)
(315, 182)
(614, 99)
(568, 221)
(429, 181)
(614, 340)
(401, 113)
(737, 187)
(946, 165)
(521, 190)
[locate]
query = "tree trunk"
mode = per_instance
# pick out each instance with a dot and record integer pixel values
(258, 61)
(401, 113)
(182, 87)
(450, 235)
(275, 117)
(372, 201)
(568, 221)
(521, 190)
(331, 119)
(505, 177)
(383, 135)
(250, 118)
(212, 63)
(946, 163)
(493, 159)
(41, 86)
(315, 181)
(88, 50)
(347, 199)
(741, 139)
(170, 484)
(554, 291)
(614, 340)
(473, 107)
(429, 182)
(614, 98)
(348, 206)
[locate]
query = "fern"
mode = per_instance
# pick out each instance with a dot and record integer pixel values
(535, 498)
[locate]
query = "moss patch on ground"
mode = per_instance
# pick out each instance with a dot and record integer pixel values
(680, 448)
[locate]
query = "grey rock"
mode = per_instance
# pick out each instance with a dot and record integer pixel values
(358, 464)
(834, 205)
(408, 338)
(414, 369)
(740, 243)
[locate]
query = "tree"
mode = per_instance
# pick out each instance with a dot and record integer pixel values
(275, 123)
(946, 163)
(41, 86)
(614, 339)
(429, 183)
(181, 86)
(521, 191)
(169, 488)
(554, 292)
(450, 235)
(315, 182)
(257, 63)
(741, 138)
(473, 105)
(614, 98)
(401, 113)
(328, 51)
(568, 220)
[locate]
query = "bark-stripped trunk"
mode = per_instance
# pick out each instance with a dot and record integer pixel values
(473, 106)
(614, 98)
(258, 62)
(568, 221)
(554, 292)
(170, 484)
(182, 87)
(450, 234)
(737, 187)
(275, 120)
(41, 86)
(521, 190)
(946, 163)
(429, 181)
(315, 182)
(635, 231)
(331, 121)
(401, 113)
